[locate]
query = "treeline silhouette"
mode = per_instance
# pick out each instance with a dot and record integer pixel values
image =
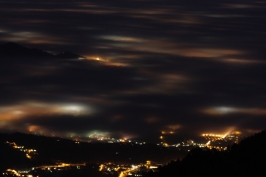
(246, 159)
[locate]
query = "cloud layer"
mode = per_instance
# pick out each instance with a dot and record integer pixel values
(152, 66)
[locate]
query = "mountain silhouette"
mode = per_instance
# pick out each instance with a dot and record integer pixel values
(68, 55)
(12, 49)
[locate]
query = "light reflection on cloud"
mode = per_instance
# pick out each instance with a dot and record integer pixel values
(2, 31)
(168, 47)
(239, 6)
(36, 128)
(151, 120)
(123, 39)
(234, 110)
(208, 52)
(242, 61)
(29, 109)
(97, 133)
(107, 60)
(174, 127)
(31, 37)
(183, 19)
(166, 83)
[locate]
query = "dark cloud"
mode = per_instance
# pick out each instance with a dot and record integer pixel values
(189, 67)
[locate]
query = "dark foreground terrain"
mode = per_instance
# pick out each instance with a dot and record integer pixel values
(24, 151)
(246, 159)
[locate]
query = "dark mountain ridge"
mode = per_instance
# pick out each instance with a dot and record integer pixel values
(11, 49)
(68, 55)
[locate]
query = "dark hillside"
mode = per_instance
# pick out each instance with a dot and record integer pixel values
(248, 158)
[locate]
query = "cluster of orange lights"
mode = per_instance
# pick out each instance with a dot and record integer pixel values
(213, 135)
(167, 132)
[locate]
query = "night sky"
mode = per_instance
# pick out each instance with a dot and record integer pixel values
(186, 67)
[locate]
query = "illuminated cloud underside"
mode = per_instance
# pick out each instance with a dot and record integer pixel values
(26, 109)
(233, 110)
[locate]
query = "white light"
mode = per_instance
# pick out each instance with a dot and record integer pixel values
(74, 109)
(224, 109)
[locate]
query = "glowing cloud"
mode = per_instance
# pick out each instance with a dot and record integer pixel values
(27, 109)
(233, 110)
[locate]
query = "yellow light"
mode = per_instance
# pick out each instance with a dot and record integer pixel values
(101, 167)
(121, 174)
(28, 156)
